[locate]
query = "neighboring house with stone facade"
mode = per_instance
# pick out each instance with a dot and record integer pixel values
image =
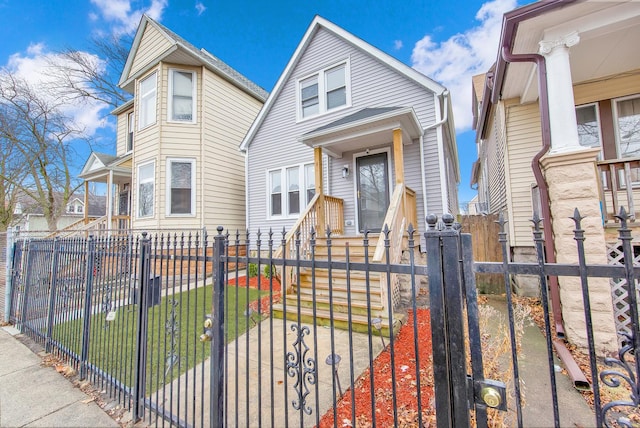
(557, 122)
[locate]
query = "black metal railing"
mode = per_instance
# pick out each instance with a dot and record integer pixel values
(133, 314)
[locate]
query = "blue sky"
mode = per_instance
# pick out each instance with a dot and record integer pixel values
(447, 41)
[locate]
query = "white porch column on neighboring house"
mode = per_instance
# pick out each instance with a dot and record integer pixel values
(110, 200)
(562, 110)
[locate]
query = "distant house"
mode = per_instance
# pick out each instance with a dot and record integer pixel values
(347, 121)
(29, 215)
(176, 164)
(557, 122)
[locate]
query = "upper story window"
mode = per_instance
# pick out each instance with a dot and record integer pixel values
(181, 187)
(324, 91)
(75, 208)
(146, 189)
(298, 184)
(182, 86)
(627, 125)
(148, 101)
(130, 127)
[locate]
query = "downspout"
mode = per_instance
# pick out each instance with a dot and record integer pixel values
(543, 102)
(510, 24)
(437, 124)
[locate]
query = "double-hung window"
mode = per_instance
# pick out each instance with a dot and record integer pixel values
(148, 101)
(298, 184)
(627, 116)
(326, 90)
(182, 96)
(130, 132)
(146, 189)
(181, 187)
(588, 125)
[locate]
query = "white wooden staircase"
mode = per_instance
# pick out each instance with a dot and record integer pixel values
(342, 292)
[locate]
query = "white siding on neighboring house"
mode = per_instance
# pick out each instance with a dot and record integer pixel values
(373, 84)
(525, 141)
(610, 88)
(121, 132)
(495, 152)
(146, 149)
(231, 113)
(152, 43)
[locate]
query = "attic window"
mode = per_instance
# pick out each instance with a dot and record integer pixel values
(324, 91)
(182, 96)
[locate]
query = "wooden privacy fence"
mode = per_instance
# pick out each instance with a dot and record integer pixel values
(484, 231)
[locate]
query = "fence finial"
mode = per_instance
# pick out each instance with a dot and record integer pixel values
(432, 220)
(448, 220)
(623, 217)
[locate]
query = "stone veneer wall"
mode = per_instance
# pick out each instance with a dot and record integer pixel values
(526, 285)
(573, 182)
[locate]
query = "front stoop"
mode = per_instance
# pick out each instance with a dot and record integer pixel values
(347, 297)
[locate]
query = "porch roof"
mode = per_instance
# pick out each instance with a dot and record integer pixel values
(365, 128)
(99, 165)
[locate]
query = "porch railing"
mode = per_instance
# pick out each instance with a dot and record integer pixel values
(614, 191)
(401, 213)
(334, 217)
(118, 222)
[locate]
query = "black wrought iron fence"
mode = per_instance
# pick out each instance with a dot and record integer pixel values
(318, 346)
(125, 311)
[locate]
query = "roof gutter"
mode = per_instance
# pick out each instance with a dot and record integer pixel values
(509, 27)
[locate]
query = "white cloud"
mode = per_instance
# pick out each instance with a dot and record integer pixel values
(120, 15)
(200, 8)
(454, 61)
(397, 44)
(33, 66)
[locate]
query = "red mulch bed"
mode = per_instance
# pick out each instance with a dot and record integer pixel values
(264, 285)
(406, 385)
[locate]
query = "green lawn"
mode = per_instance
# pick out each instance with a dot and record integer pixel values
(176, 324)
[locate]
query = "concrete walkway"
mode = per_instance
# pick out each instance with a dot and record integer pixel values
(35, 396)
(533, 368)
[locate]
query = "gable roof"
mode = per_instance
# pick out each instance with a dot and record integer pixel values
(318, 23)
(201, 57)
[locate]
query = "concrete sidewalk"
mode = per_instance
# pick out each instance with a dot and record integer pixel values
(35, 396)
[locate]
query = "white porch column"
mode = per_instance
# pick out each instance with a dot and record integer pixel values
(110, 200)
(562, 110)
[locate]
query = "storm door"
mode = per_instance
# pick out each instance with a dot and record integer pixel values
(372, 181)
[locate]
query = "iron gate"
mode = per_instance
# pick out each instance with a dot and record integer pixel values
(321, 345)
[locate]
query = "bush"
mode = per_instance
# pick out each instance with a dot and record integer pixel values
(253, 270)
(270, 271)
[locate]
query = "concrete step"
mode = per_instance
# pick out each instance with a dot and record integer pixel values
(339, 304)
(322, 317)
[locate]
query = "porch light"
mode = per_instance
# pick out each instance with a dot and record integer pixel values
(345, 171)
(377, 324)
(334, 360)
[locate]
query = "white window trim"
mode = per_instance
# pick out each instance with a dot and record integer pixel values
(322, 94)
(597, 108)
(616, 129)
(194, 85)
(284, 200)
(141, 96)
(139, 182)
(168, 212)
(130, 130)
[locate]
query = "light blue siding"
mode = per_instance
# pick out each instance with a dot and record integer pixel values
(373, 84)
